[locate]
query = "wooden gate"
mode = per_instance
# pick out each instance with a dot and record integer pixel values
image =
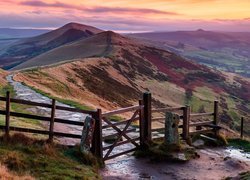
(122, 131)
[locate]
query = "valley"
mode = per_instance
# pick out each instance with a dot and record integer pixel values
(226, 51)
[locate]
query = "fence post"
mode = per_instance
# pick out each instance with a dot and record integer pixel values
(96, 148)
(147, 117)
(216, 115)
(186, 120)
(242, 128)
(141, 124)
(51, 126)
(7, 117)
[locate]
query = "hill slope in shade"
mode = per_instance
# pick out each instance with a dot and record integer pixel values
(97, 45)
(130, 68)
(25, 49)
(224, 50)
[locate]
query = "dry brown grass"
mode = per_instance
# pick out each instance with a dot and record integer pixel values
(6, 175)
(2, 77)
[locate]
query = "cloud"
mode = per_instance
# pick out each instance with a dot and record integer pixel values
(49, 19)
(96, 9)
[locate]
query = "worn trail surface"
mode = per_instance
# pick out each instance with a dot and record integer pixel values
(26, 93)
(213, 164)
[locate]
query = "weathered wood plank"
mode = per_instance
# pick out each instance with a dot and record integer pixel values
(158, 129)
(122, 110)
(120, 123)
(141, 125)
(158, 119)
(119, 154)
(167, 109)
(19, 129)
(116, 134)
(201, 131)
(7, 115)
(122, 143)
(96, 148)
(202, 114)
(200, 123)
(147, 100)
(216, 116)
(31, 103)
(186, 121)
(71, 109)
(52, 120)
(35, 131)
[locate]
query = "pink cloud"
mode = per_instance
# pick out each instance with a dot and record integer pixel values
(96, 9)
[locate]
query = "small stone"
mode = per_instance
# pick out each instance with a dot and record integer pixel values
(199, 143)
(211, 158)
(226, 158)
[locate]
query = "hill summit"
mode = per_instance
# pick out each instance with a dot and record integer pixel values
(25, 49)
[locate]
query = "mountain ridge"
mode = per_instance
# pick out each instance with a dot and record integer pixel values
(28, 48)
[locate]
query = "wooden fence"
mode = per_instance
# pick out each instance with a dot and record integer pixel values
(186, 116)
(51, 120)
(141, 113)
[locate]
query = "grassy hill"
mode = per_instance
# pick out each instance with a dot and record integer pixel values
(27, 48)
(129, 68)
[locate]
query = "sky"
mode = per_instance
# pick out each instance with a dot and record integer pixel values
(128, 15)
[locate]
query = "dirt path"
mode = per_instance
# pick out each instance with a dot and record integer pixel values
(213, 164)
(26, 93)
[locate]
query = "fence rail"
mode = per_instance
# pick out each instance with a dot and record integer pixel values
(8, 113)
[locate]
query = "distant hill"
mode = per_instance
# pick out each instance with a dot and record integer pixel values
(228, 51)
(10, 33)
(28, 48)
(97, 45)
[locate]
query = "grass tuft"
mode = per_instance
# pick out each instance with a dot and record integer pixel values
(240, 143)
(23, 155)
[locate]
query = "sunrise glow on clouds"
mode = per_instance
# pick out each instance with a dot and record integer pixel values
(129, 15)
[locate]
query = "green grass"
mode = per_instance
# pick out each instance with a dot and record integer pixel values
(6, 88)
(64, 101)
(206, 92)
(23, 155)
(196, 104)
(240, 143)
(245, 175)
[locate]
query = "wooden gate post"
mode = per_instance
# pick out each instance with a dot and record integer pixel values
(242, 128)
(186, 120)
(147, 117)
(52, 119)
(97, 148)
(141, 125)
(7, 117)
(216, 115)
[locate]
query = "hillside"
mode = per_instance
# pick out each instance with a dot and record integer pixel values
(2, 78)
(224, 50)
(97, 45)
(129, 68)
(28, 48)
